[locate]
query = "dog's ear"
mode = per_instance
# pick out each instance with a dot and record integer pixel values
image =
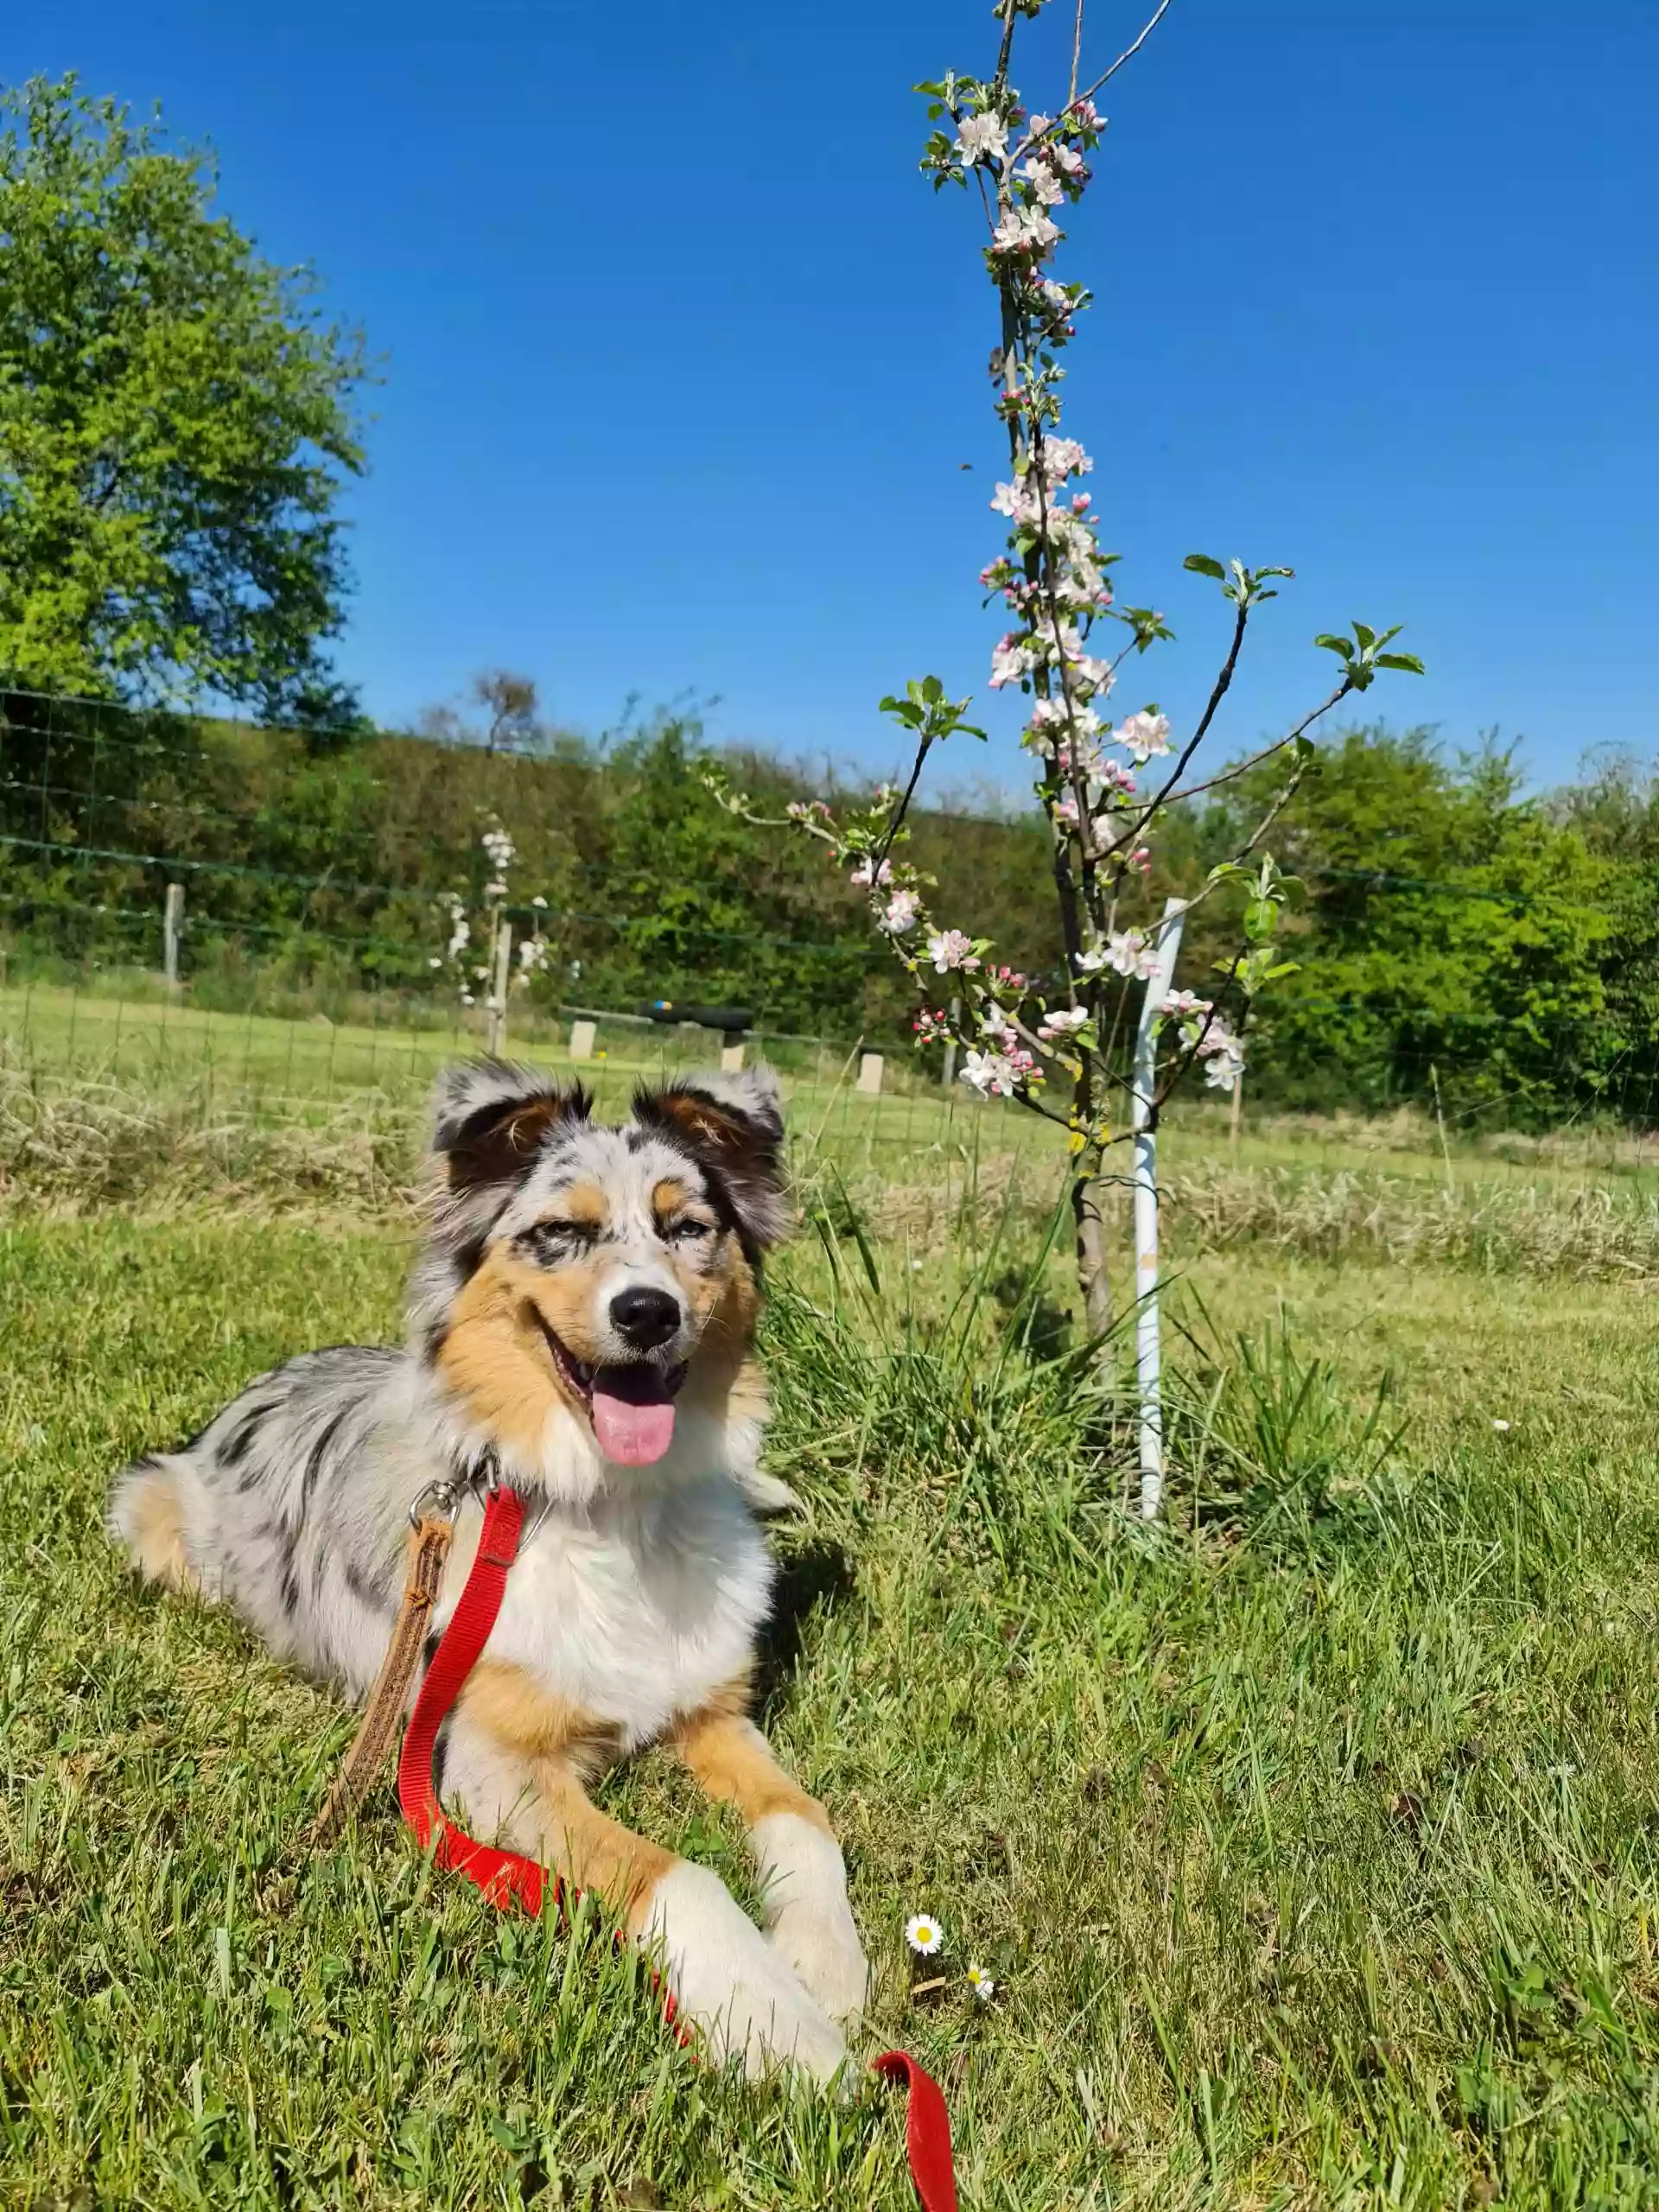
(491, 1118)
(733, 1127)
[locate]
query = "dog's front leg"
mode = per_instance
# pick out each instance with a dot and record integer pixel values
(807, 1914)
(725, 1977)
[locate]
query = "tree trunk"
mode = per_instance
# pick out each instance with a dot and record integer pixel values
(1087, 1197)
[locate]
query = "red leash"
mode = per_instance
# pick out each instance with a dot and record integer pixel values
(506, 1877)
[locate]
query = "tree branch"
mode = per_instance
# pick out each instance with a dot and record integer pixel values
(1127, 54)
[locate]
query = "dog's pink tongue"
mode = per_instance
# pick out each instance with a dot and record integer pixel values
(632, 1434)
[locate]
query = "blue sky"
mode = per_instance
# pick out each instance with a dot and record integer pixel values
(682, 358)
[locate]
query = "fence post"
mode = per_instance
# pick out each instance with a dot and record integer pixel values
(495, 1034)
(1148, 1380)
(172, 925)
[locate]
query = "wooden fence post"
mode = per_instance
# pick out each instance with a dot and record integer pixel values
(172, 929)
(495, 1034)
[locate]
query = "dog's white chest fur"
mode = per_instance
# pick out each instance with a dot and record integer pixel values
(637, 1610)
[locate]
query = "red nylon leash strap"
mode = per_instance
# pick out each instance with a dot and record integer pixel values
(506, 1877)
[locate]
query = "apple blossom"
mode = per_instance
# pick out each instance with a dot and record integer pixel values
(1025, 232)
(1131, 953)
(982, 138)
(1145, 735)
(900, 914)
(949, 949)
(1045, 185)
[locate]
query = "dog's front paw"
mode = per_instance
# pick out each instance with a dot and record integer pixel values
(809, 1921)
(731, 1982)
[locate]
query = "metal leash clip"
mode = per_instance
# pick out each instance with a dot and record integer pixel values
(443, 1493)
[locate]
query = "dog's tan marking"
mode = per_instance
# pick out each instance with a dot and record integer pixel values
(582, 1202)
(587, 1847)
(670, 1196)
(510, 1706)
(155, 1530)
(731, 1762)
(494, 1361)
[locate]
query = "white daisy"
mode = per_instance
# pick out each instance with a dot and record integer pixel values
(1500, 1426)
(924, 1934)
(981, 1985)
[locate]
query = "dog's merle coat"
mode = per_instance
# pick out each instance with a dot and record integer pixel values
(581, 1320)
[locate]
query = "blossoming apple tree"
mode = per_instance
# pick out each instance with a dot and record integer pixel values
(1104, 787)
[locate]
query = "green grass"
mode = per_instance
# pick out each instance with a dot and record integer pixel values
(1313, 1845)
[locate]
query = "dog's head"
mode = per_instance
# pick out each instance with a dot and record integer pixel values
(608, 1274)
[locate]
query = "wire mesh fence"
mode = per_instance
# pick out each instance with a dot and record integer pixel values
(253, 919)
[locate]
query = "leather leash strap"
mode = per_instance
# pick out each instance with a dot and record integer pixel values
(423, 1564)
(506, 1877)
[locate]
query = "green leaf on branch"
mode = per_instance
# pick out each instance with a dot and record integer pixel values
(1407, 663)
(1202, 565)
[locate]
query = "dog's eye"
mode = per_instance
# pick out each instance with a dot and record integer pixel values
(559, 1239)
(688, 1230)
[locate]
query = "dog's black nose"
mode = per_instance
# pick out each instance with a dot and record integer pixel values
(645, 1317)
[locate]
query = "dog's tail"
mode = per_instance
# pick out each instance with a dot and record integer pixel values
(158, 1505)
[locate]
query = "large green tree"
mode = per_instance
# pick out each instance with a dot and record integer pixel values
(175, 420)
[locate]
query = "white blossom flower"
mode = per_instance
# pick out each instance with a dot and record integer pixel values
(1090, 961)
(1044, 182)
(864, 878)
(1185, 1004)
(949, 949)
(981, 138)
(1502, 1427)
(901, 912)
(495, 890)
(1025, 230)
(1019, 502)
(1011, 659)
(981, 1985)
(1145, 735)
(538, 900)
(1128, 951)
(1064, 1021)
(924, 1934)
(436, 961)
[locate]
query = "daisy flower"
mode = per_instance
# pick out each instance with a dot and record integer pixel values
(924, 1934)
(981, 1985)
(1500, 1426)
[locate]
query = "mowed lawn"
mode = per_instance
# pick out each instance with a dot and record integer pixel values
(1313, 1845)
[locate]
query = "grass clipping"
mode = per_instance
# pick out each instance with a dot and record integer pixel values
(104, 1142)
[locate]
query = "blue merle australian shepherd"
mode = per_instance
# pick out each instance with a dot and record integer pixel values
(583, 1313)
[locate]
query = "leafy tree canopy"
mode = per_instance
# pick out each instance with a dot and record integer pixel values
(175, 418)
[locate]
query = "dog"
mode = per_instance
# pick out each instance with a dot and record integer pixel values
(582, 1318)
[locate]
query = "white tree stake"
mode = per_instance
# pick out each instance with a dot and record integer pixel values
(1147, 1351)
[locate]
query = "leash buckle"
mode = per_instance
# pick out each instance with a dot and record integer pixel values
(443, 1493)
